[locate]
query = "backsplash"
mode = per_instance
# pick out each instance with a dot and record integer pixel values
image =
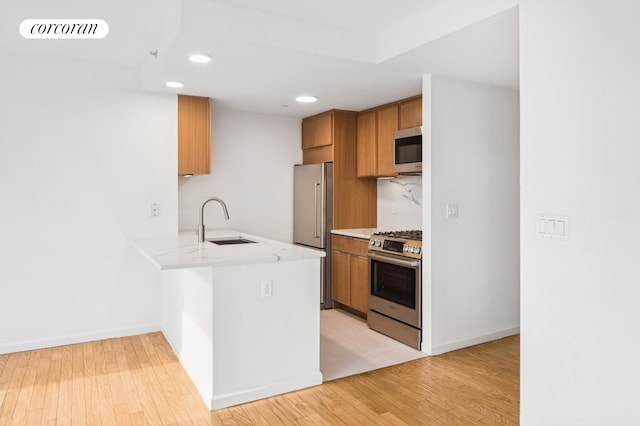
(400, 203)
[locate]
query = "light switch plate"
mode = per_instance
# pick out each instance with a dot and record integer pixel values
(554, 227)
(452, 210)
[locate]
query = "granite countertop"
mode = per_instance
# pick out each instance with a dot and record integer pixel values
(355, 232)
(184, 250)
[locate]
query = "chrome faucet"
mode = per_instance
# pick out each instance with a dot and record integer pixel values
(201, 223)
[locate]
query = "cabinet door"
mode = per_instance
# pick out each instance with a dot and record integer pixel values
(341, 243)
(324, 129)
(340, 287)
(308, 132)
(317, 131)
(411, 113)
(359, 266)
(387, 125)
(366, 144)
(194, 135)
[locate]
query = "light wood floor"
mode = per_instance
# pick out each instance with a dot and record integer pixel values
(138, 380)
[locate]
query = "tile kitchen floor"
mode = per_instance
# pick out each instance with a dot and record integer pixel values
(348, 346)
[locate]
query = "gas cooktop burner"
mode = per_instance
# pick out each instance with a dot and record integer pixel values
(415, 235)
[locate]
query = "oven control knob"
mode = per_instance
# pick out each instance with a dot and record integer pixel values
(417, 250)
(372, 242)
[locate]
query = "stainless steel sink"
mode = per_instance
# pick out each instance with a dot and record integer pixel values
(229, 241)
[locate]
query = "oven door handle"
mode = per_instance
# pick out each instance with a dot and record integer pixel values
(394, 260)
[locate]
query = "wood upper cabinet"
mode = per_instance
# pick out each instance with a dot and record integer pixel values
(349, 272)
(375, 141)
(318, 134)
(411, 112)
(367, 144)
(386, 127)
(354, 200)
(317, 131)
(194, 135)
(376, 128)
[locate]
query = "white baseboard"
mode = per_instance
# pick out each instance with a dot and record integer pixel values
(248, 395)
(28, 345)
(476, 340)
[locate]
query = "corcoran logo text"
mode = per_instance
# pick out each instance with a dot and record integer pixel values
(64, 28)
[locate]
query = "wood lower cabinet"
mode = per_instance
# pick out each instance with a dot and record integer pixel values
(359, 269)
(340, 277)
(194, 135)
(350, 275)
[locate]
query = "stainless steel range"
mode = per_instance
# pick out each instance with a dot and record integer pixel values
(395, 281)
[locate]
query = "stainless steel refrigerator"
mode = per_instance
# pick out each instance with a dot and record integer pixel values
(312, 217)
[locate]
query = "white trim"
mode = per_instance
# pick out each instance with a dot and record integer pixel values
(465, 343)
(29, 345)
(227, 400)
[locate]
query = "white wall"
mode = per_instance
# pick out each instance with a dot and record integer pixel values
(400, 203)
(83, 154)
(580, 82)
(471, 276)
(251, 170)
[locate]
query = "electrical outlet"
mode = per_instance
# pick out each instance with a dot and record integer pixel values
(154, 210)
(266, 289)
(394, 208)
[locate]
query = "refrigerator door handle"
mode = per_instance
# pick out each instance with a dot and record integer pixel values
(315, 212)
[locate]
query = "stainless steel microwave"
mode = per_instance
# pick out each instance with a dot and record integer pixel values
(408, 151)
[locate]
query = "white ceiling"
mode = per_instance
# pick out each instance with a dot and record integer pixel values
(351, 54)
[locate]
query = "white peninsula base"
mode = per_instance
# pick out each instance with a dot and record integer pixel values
(237, 345)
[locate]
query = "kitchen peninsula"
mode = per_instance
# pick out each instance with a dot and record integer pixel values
(241, 314)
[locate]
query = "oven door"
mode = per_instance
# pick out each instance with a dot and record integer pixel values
(395, 287)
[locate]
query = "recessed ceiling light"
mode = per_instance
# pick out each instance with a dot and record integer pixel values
(199, 58)
(174, 84)
(306, 99)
